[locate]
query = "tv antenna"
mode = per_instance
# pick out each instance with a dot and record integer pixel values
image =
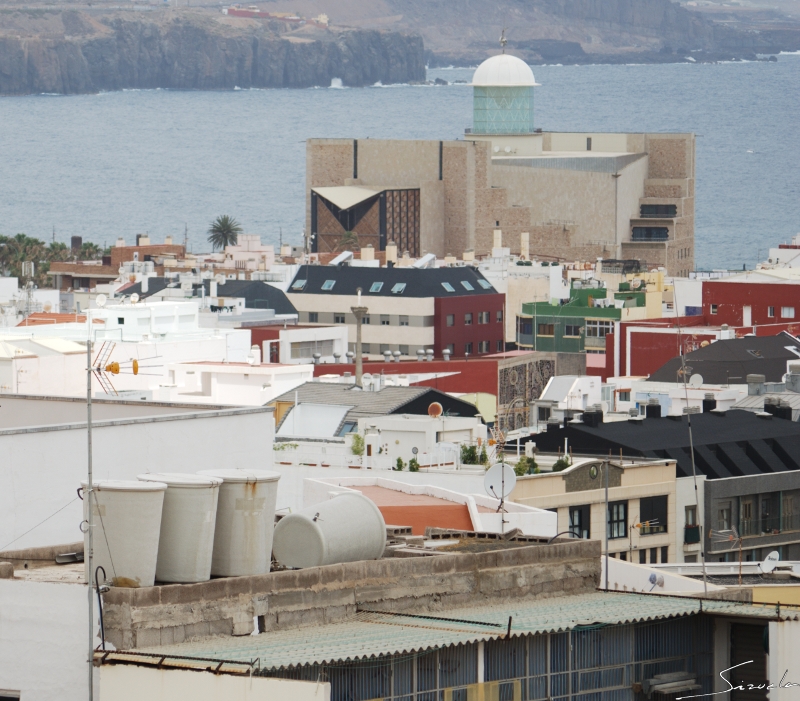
(499, 482)
(503, 40)
(729, 535)
(103, 367)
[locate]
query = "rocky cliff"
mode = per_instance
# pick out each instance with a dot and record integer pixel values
(200, 52)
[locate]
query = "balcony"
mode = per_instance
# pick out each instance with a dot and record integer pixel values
(658, 211)
(772, 525)
(649, 233)
(691, 535)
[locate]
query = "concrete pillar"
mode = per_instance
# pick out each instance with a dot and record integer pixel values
(498, 238)
(524, 245)
(359, 313)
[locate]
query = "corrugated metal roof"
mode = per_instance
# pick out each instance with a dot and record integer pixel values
(371, 633)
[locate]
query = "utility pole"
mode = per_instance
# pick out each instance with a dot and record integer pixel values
(606, 465)
(90, 507)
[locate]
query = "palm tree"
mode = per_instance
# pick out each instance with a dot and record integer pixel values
(224, 231)
(89, 251)
(348, 242)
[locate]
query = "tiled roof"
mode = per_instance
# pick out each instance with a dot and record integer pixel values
(371, 634)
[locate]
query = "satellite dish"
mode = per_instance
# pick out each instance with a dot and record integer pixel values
(134, 298)
(101, 301)
(696, 380)
(636, 284)
(435, 410)
(500, 480)
(770, 562)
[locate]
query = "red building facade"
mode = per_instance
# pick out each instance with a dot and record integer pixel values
(468, 325)
(751, 303)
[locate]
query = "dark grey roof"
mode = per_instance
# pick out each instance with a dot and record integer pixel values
(729, 444)
(389, 400)
(734, 359)
(257, 294)
(419, 282)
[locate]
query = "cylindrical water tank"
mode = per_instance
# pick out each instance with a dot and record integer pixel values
(187, 526)
(347, 528)
(245, 521)
(127, 523)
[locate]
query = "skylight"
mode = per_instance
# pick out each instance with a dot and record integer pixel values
(485, 284)
(467, 286)
(328, 284)
(399, 288)
(376, 287)
(448, 287)
(298, 284)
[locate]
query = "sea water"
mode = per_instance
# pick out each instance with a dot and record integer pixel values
(161, 162)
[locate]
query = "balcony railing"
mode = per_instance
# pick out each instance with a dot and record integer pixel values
(691, 534)
(772, 525)
(650, 233)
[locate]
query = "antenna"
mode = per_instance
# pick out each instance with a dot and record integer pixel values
(499, 482)
(729, 535)
(503, 40)
(101, 300)
(770, 562)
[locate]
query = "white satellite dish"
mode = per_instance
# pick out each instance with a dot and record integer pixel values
(696, 380)
(134, 298)
(101, 301)
(500, 480)
(770, 562)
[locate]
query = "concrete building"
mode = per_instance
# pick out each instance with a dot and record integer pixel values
(302, 344)
(565, 195)
(410, 309)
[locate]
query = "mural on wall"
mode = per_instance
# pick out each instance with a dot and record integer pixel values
(525, 381)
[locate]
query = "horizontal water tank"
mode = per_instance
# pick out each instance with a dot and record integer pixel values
(187, 526)
(347, 528)
(127, 524)
(245, 521)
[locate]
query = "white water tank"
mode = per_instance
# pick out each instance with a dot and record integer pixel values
(347, 528)
(187, 526)
(127, 524)
(245, 521)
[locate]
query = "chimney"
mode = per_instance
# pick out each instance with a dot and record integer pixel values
(429, 354)
(709, 402)
(368, 253)
(387, 355)
(391, 252)
(168, 241)
(446, 354)
(75, 243)
(120, 242)
(498, 238)
(145, 284)
(524, 245)
(256, 353)
(286, 250)
(420, 355)
(755, 385)
(212, 288)
(653, 408)
(468, 256)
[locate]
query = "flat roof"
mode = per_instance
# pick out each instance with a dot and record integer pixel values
(370, 634)
(382, 496)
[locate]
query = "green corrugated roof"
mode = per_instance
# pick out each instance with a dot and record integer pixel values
(369, 634)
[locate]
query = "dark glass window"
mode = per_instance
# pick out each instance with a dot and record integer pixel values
(545, 329)
(654, 511)
(579, 519)
(451, 319)
(650, 233)
(651, 211)
(313, 317)
(618, 519)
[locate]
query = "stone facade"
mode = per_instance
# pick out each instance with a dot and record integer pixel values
(575, 203)
(163, 615)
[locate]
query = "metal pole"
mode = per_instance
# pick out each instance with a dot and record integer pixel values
(90, 497)
(606, 465)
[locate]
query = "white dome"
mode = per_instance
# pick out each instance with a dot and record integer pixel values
(503, 70)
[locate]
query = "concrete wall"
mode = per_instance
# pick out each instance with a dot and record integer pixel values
(43, 640)
(784, 642)
(140, 618)
(40, 470)
(132, 683)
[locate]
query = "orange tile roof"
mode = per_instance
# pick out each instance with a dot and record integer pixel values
(42, 318)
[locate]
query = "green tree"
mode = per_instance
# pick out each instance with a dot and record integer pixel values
(561, 464)
(348, 242)
(15, 250)
(526, 466)
(224, 231)
(413, 465)
(469, 454)
(358, 444)
(400, 465)
(89, 251)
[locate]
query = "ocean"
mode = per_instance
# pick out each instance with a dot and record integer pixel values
(161, 162)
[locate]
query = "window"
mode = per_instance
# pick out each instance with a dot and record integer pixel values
(690, 558)
(598, 329)
(642, 556)
(653, 556)
(375, 287)
(121, 320)
(771, 311)
(724, 517)
(451, 319)
(652, 211)
(653, 510)
(468, 348)
(447, 286)
(579, 520)
(306, 349)
(499, 346)
(500, 317)
(338, 318)
(485, 284)
(714, 308)
(545, 329)
(365, 320)
(366, 348)
(398, 288)
(664, 554)
(544, 413)
(588, 143)
(623, 556)
(572, 330)
(403, 321)
(385, 320)
(298, 284)
(468, 319)
(467, 286)
(787, 312)
(384, 348)
(691, 515)
(483, 347)
(483, 317)
(618, 519)
(650, 233)
(313, 317)
(403, 349)
(328, 284)
(625, 396)
(451, 347)
(347, 427)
